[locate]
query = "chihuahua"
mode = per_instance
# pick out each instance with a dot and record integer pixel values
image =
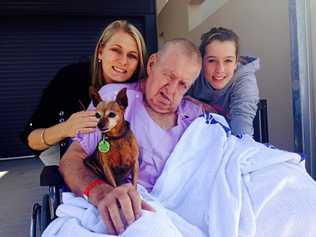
(117, 152)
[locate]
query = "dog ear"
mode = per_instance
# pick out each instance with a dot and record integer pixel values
(121, 98)
(95, 96)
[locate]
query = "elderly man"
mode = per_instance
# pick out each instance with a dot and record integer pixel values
(200, 179)
(158, 116)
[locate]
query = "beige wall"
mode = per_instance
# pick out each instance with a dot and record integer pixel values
(264, 31)
(172, 21)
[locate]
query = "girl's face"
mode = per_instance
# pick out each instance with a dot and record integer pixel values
(219, 63)
(120, 58)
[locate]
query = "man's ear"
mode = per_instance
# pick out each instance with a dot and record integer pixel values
(95, 96)
(152, 60)
(122, 99)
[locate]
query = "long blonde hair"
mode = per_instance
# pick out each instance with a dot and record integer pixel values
(97, 80)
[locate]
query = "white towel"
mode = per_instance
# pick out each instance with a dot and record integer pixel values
(214, 184)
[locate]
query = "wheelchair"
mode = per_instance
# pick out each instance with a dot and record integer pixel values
(44, 213)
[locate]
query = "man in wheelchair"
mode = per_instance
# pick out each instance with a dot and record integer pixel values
(195, 178)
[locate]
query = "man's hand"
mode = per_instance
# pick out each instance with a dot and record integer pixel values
(119, 207)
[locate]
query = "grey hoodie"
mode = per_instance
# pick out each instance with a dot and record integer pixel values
(238, 100)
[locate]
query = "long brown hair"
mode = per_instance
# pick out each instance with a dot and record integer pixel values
(221, 34)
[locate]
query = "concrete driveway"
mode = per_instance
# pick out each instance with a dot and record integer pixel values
(19, 185)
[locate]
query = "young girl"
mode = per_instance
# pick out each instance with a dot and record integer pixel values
(227, 82)
(119, 57)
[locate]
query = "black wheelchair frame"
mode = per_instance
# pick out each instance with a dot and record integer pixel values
(260, 123)
(44, 213)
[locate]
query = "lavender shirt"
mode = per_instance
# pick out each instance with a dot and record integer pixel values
(155, 143)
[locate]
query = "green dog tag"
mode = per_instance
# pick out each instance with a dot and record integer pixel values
(104, 146)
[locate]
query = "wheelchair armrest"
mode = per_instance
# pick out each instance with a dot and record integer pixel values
(50, 176)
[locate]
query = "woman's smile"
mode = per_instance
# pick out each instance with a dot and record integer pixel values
(119, 69)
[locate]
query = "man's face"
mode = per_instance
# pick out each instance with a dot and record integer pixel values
(170, 75)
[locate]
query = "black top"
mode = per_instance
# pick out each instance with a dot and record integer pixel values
(61, 98)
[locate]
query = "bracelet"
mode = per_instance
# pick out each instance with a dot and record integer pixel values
(43, 139)
(91, 186)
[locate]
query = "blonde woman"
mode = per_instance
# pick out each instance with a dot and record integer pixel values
(119, 57)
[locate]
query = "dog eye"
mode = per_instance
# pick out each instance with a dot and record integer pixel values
(98, 115)
(111, 115)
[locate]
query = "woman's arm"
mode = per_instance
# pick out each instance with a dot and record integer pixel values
(80, 122)
(205, 107)
(59, 101)
(243, 105)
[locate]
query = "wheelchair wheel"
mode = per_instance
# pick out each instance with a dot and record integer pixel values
(45, 213)
(35, 219)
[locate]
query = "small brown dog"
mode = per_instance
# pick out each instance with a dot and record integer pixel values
(117, 152)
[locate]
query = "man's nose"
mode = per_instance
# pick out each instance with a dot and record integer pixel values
(172, 86)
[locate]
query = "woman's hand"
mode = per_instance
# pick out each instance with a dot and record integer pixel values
(119, 207)
(80, 122)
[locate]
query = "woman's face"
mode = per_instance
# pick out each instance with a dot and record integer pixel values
(219, 63)
(119, 57)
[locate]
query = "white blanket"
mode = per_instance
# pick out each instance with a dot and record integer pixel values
(213, 184)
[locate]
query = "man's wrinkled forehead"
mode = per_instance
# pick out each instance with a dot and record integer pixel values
(183, 71)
